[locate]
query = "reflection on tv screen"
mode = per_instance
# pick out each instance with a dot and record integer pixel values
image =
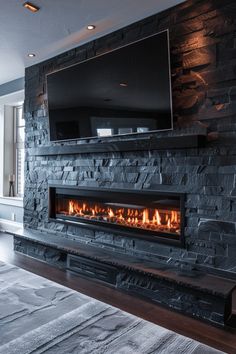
(104, 132)
(124, 91)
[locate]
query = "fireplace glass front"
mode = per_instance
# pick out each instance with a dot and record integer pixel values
(142, 214)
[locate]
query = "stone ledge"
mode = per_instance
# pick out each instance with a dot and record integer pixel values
(193, 279)
(142, 144)
(199, 295)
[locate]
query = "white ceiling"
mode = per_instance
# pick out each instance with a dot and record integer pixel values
(61, 25)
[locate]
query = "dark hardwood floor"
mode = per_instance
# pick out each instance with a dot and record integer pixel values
(224, 340)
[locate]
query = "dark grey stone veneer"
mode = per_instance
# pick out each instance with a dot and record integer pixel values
(193, 293)
(203, 57)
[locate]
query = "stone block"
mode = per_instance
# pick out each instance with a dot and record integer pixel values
(217, 226)
(68, 169)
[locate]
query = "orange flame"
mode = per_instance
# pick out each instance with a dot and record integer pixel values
(71, 207)
(148, 218)
(145, 216)
(110, 213)
(158, 218)
(168, 224)
(174, 217)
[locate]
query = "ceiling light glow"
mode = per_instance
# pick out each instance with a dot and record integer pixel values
(31, 55)
(91, 27)
(31, 7)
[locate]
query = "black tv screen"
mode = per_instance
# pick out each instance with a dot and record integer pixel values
(124, 91)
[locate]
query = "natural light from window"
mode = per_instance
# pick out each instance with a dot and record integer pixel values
(19, 152)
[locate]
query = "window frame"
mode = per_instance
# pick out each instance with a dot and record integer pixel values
(8, 100)
(17, 147)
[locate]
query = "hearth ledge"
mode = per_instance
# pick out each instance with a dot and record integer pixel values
(210, 296)
(194, 279)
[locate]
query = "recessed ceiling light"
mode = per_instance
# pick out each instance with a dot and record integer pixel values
(31, 55)
(91, 27)
(123, 84)
(31, 7)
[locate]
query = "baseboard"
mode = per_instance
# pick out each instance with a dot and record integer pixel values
(10, 226)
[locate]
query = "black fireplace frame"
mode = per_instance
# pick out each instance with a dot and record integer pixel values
(75, 191)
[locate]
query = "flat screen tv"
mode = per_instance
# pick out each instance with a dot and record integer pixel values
(124, 91)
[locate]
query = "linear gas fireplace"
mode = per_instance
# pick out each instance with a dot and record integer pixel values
(151, 215)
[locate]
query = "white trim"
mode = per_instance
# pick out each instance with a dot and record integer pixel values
(10, 226)
(11, 99)
(8, 160)
(1, 147)
(13, 201)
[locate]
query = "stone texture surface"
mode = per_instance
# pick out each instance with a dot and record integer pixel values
(203, 47)
(179, 288)
(37, 315)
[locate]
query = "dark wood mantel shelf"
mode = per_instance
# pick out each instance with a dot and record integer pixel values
(146, 144)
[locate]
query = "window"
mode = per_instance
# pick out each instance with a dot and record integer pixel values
(8, 152)
(19, 153)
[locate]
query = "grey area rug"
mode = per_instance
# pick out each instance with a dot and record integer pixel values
(40, 316)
